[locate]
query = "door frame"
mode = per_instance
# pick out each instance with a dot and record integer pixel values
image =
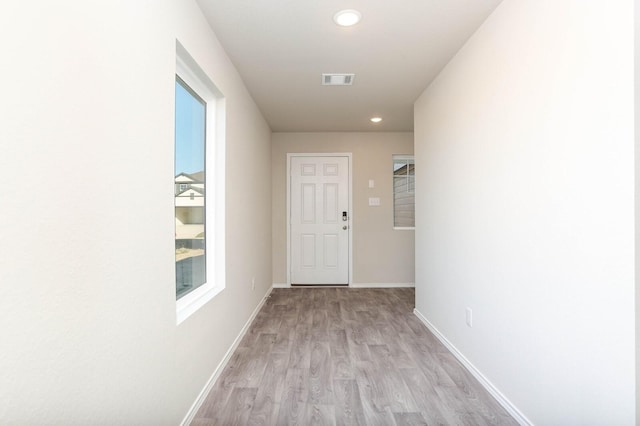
(349, 210)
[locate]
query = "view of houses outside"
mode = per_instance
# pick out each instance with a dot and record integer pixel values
(404, 182)
(189, 190)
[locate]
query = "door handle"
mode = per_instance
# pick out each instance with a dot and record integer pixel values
(344, 227)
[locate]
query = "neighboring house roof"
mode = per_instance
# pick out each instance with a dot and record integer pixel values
(403, 170)
(197, 177)
(184, 178)
(187, 192)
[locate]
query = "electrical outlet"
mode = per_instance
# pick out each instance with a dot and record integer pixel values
(469, 317)
(253, 283)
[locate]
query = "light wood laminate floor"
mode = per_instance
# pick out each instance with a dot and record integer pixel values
(324, 356)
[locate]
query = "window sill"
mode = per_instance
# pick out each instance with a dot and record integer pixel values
(193, 301)
(404, 228)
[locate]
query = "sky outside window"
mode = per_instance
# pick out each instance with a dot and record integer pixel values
(190, 131)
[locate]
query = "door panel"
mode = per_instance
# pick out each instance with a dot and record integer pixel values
(319, 193)
(308, 203)
(330, 245)
(331, 203)
(308, 250)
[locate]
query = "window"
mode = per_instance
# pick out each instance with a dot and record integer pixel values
(190, 126)
(199, 205)
(404, 182)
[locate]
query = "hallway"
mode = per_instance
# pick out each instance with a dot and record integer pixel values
(345, 356)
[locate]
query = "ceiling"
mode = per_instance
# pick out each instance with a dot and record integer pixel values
(282, 47)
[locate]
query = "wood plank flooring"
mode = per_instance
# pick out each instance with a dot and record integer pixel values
(344, 356)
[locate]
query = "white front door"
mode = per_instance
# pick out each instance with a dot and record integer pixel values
(319, 220)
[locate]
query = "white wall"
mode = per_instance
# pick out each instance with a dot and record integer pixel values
(381, 255)
(88, 320)
(636, 56)
(525, 207)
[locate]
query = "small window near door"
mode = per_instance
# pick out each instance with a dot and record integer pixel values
(404, 182)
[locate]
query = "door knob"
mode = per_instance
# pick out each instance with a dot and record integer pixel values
(344, 227)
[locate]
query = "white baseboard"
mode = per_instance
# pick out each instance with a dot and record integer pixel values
(382, 285)
(216, 373)
(506, 404)
(360, 285)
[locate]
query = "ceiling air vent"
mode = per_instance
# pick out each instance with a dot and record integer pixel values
(337, 79)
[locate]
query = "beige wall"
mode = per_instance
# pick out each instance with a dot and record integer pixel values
(88, 320)
(381, 255)
(526, 208)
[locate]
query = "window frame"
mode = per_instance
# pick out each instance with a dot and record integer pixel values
(215, 145)
(395, 158)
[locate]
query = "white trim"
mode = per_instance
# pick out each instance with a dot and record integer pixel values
(288, 214)
(383, 285)
(190, 303)
(216, 373)
(404, 157)
(280, 285)
(502, 400)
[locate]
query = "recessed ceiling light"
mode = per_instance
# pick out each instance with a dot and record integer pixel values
(347, 18)
(375, 119)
